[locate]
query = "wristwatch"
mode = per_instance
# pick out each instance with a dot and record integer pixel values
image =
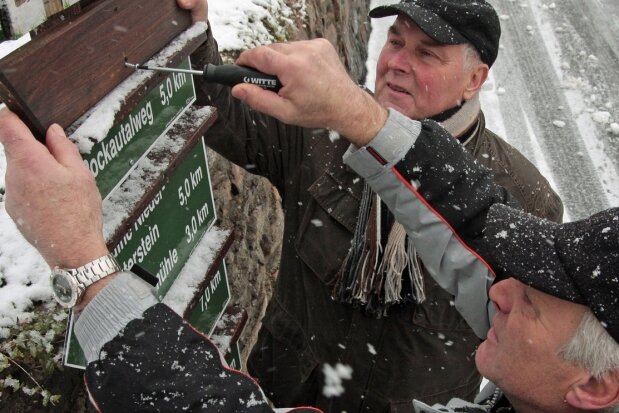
(69, 284)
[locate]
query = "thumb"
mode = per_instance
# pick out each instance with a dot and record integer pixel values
(16, 138)
(61, 147)
(261, 100)
(198, 8)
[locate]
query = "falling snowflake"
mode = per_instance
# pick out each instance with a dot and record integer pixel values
(333, 379)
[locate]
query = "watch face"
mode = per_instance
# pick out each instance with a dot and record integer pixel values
(64, 290)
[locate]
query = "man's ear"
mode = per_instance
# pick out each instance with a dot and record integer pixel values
(595, 394)
(477, 77)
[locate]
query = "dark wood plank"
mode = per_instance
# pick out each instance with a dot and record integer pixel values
(59, 75)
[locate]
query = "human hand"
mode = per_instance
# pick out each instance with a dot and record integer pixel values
(199, 9)
(51, 195)
(317, 91)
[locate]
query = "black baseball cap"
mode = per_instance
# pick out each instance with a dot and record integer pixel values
(576, 261)
(452, 22)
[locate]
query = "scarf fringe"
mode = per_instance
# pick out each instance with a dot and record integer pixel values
(370, 277)
(375, 279)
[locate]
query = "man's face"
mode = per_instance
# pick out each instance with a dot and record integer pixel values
(520, 354)
(417, 76)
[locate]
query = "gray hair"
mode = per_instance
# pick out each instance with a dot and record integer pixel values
(471, 57)
(593, 349)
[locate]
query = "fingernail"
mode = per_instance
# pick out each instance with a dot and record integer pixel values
(56, 129)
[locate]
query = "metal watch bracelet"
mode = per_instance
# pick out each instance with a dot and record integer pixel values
(95, 270)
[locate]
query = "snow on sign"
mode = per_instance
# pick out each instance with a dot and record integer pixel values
(112, 158)
(164, 235)
(21, 16)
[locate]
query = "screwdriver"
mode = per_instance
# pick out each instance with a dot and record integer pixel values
(228, 75)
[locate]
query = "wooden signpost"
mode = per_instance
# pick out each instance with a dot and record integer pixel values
(150, 163)
(81, 61)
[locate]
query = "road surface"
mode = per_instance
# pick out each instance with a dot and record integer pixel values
(553, 94)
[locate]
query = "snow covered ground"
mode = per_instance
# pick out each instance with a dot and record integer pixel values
(552, 94)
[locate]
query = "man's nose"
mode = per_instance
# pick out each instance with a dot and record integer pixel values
(400, 61)
(502, 294)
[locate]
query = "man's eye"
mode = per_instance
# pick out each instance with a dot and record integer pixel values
(426, 53)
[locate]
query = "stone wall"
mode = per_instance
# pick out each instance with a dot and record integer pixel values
(249, 204)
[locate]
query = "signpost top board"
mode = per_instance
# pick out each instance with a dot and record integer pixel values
(89, 55)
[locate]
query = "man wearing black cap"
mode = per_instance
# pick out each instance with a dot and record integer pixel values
(326, 309)
(554, 347)
(551, 348)
(400, 333)
(437, 56)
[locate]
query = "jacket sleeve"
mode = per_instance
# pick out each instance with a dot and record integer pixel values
(258, 143)
(441, 196)
(145, 357)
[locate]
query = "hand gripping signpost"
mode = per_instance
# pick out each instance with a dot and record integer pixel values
(141, 137)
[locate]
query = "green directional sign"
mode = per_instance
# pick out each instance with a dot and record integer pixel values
(115, 156)
(212, 302)
(166, 232)
(233, 358)
(163, 237)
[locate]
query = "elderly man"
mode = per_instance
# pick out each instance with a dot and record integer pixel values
(394, 339)
(324, 308)
(426, 160)
(551, 348)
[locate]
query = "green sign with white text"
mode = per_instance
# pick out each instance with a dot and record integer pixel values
(212, 302)
(162, 238)
(115, 156)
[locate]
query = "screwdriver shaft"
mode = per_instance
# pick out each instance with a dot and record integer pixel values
(229, 75)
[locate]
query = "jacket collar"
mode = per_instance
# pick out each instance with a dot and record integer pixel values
(489, 400)
(462, 121)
